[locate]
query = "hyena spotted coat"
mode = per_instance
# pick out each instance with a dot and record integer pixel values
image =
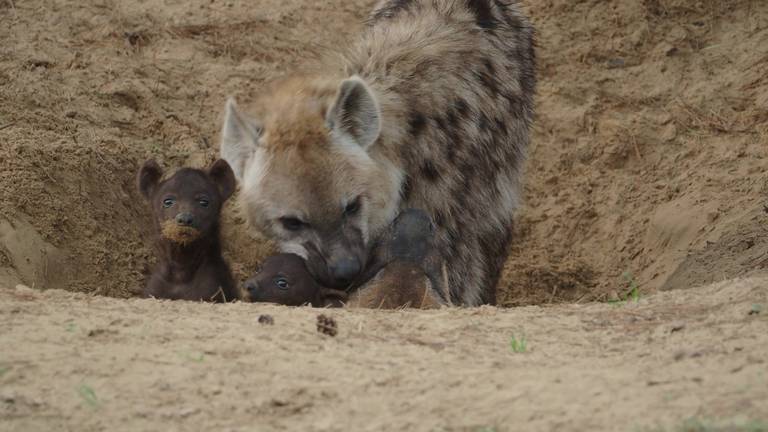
(430, 108)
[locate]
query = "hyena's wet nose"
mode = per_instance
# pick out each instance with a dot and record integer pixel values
(344, 270)
(185, 219)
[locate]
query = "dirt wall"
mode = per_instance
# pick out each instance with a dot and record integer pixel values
(649, 148)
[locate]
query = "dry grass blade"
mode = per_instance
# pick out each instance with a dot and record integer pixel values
(720, 120)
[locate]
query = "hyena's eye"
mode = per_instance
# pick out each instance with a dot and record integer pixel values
(168, 202)
(292, 223)
(281, 283)
(353, 207)
(203, 202)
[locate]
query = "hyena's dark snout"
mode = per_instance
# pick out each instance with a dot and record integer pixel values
(344, 269)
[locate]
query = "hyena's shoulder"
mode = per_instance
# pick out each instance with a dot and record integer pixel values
(487, 14)
(436, 48)
(466, 88)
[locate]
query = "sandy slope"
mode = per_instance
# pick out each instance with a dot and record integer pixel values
(77, 362)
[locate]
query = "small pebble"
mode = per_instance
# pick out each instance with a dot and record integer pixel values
(23, 289)
(616, 63)
(677, 327)
(326, 325)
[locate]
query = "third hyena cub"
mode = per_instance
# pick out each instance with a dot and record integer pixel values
(430, 108)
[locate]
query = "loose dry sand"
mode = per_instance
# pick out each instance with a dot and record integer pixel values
(85, 363)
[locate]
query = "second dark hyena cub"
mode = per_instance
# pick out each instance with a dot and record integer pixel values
(186, 209)
(284, 279)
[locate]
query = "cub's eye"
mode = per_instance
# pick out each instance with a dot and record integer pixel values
(292, 223)
(203, 202)
(281, 283)
(168, 202)
(353, 207)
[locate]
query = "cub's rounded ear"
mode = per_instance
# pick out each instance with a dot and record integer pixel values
(148, 178)
(221, 174)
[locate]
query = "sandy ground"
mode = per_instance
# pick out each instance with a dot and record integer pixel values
(649, 169)
(85, 363)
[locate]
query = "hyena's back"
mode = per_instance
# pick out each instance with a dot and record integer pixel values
(458, 78)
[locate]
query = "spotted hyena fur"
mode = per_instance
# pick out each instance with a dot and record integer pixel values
(430, 108)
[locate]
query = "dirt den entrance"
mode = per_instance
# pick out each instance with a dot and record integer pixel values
(648, 163)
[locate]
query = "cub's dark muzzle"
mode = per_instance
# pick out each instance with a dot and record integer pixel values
(185, 219)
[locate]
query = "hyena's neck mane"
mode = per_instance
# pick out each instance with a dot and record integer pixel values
(404, 59)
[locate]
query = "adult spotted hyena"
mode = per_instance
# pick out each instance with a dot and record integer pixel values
(430, 108)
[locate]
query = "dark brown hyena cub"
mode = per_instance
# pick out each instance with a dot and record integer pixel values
(284, 279)
(186, 209)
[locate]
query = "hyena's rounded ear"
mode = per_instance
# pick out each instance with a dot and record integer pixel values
(239, 137)
(221, 174)
(148, 178)
(355, 113)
